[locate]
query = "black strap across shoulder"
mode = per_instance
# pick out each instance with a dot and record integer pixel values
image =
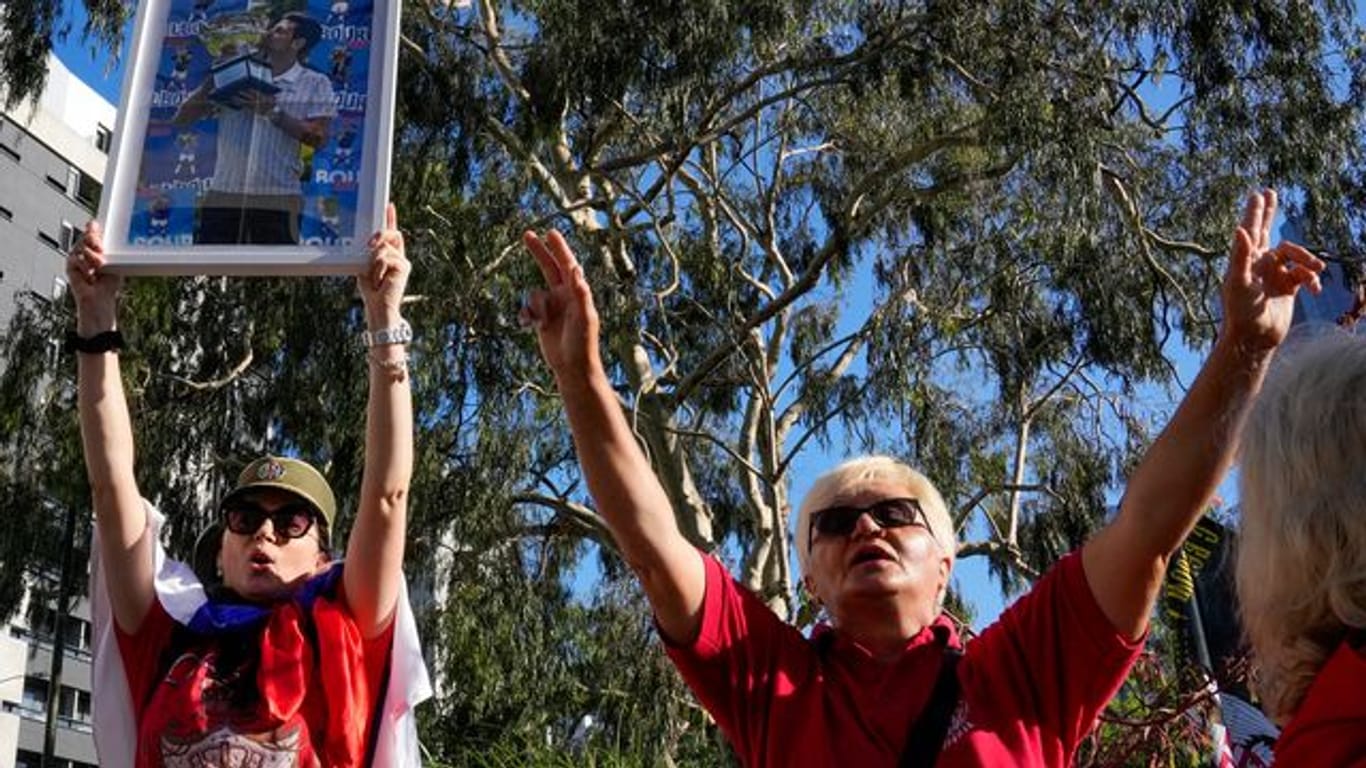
(927, 733)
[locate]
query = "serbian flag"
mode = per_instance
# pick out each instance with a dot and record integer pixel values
(182, 596)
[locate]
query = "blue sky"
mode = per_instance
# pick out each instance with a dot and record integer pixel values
(93, 66)
(88, 63)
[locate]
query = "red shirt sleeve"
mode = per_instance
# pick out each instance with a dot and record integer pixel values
(1052, 660)
(374, 651)
(743, 657)
(141, 653)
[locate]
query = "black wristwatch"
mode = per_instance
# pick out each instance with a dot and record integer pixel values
(107, 341)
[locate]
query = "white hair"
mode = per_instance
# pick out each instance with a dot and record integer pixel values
(1301, 567)
(863, 469)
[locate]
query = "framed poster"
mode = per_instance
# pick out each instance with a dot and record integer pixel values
(254, 137)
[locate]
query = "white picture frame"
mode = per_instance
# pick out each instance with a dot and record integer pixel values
(156, 217)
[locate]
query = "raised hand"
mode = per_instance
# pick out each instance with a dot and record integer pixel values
(386, 276)
(563, 314)
(1259, 288)
(95, 290)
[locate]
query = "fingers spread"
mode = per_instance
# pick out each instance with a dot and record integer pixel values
(564, 257)
(1252, 214)
(1240, 258)
(549, 269)
(581, 289)
(1269, 202)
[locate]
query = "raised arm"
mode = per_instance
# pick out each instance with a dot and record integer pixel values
(627, 493)
(107, 436)
(374, 553)
(1176, 480)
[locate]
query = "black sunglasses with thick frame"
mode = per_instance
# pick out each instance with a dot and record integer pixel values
(887, 513)
(292, 520)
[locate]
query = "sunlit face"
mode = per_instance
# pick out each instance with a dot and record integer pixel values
(873, 563)
(267, 565)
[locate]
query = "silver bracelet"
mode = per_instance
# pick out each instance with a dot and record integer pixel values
(399, 334)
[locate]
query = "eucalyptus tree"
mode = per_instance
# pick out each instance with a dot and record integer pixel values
(972, 234)
(968, 233)
(28, 29)
(963, 232)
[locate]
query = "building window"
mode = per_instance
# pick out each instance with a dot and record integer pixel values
(77, 633)
(9, 151)
(104, 139)
(88, 192)
(73, 181)
(68, 237)
(58, 291)
(51, 241)
(6, 213)
(35, 696)
(27, 759)
(74, 704)
(40, 620)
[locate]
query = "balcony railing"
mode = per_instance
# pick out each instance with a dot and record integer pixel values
(38, 713)
(44, 641)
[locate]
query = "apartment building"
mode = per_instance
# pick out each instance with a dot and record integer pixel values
(52, 160)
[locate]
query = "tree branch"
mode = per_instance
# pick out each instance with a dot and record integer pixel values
(587, 521)
(216, 384)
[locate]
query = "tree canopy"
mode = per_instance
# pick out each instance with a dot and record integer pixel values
(969, 234)
(28, 29)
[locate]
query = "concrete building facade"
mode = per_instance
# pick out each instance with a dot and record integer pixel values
(52, 162)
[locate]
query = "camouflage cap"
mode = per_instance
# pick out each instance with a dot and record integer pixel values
(297, 477)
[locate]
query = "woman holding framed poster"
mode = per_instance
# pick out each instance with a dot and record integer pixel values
(267, 652)
(255, 137)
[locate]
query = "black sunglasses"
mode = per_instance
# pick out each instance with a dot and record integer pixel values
(887, 513)
(292, 520)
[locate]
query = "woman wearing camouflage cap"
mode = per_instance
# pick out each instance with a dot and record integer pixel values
(283, 659)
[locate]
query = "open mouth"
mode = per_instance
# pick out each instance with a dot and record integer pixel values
(260, 559)
(871, 555)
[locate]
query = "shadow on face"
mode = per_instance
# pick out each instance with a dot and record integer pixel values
(271, 544)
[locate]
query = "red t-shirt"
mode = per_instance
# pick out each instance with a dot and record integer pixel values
(297, 691)
(1031, 685)
(1329, 729)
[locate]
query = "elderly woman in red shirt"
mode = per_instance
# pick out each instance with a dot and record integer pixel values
(888, 681)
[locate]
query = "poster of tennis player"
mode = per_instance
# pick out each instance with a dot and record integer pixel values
(255, 137)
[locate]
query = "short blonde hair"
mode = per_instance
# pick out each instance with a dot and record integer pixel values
(868, 468)
(1301, 568)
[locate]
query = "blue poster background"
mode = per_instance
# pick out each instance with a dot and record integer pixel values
(178, 161)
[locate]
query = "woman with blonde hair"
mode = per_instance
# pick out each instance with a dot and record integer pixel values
(1301, 568)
